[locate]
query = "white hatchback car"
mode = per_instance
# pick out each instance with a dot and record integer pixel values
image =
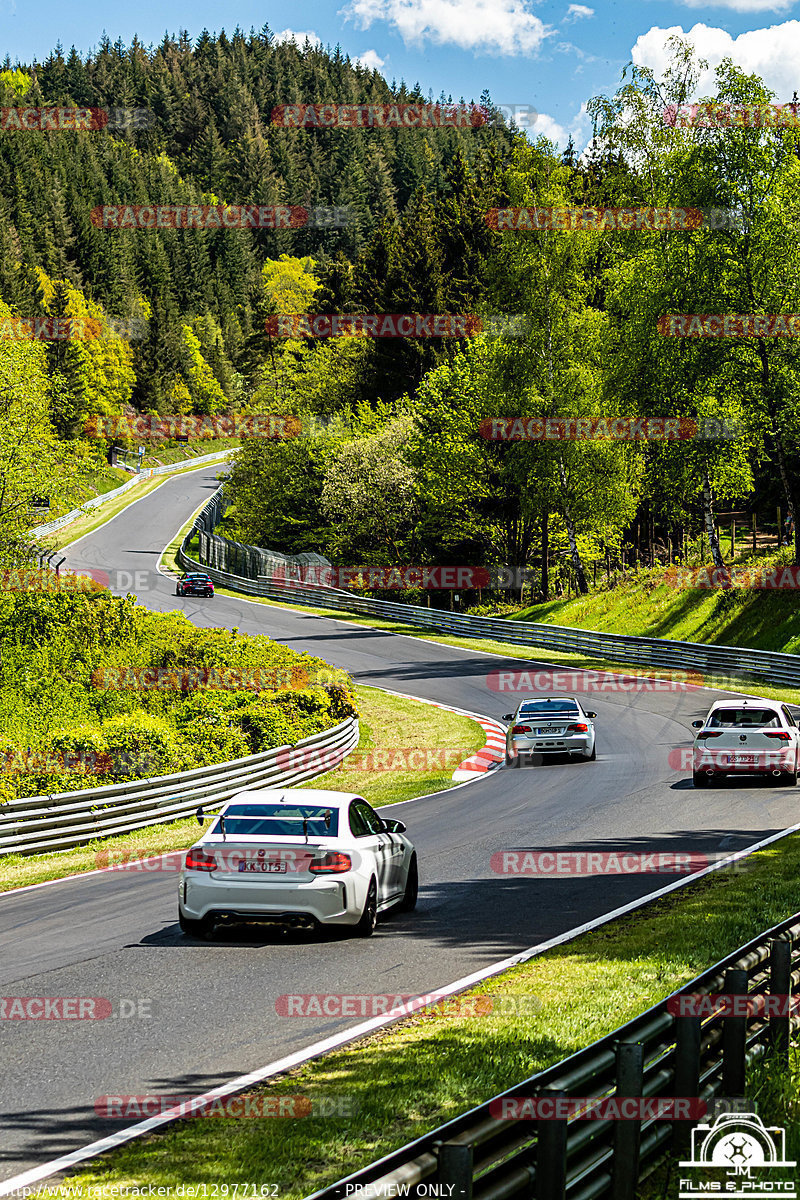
(297, 858)
(749, 736)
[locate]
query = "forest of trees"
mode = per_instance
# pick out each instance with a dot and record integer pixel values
(391, 465)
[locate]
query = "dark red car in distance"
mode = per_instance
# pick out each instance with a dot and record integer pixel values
(194, 584)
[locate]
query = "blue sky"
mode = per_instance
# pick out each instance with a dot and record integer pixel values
(547, 57)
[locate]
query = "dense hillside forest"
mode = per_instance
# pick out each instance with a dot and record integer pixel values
(392, 463)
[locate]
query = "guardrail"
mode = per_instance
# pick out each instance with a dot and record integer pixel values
(32, 824)
(715, 664)
(482, 1156)
(96, 501)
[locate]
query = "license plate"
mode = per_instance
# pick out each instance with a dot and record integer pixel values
(270, 868)
(549, 729)
(745, 758)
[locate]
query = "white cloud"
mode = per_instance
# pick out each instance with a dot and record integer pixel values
(371, 60)
(491, 26)
(578, 128)
(742, 6)
(770, 53)
(576, 11)
(298, 36)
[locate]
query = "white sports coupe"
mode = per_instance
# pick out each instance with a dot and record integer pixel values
(297, 858)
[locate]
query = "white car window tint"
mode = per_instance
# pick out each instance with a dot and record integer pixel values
(744, 718)
(370, 817)
(358, 825)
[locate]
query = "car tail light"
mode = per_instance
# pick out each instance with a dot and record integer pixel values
(198, 860)
(705, 734)
(521, 729)
(783, 736)
(579, 728)
(331, 863)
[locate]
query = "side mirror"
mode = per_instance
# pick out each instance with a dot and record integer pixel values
(199, 815)
(394, 827)
(508, 717)
(697, 724)
(590, 714)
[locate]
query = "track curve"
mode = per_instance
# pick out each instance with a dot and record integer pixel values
(213, 1005)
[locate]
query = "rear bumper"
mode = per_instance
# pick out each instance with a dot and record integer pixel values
(741, 762)
(319, 900)
(577, 744)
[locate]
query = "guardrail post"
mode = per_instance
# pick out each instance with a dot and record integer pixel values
(687, 1070)
(627, 1134)
(734, 1038)
(455, 1168)
(551, 1154)
(780, 984)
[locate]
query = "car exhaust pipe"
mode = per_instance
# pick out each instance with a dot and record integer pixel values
(709, 772)
(776, 773)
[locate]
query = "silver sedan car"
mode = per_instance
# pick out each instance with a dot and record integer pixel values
(298, 858)
(549, 725)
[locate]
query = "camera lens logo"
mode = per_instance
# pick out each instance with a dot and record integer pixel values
(743, 1146)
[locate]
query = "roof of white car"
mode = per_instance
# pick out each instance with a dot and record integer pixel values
(293, 795)
(555, 699)
(746, 702)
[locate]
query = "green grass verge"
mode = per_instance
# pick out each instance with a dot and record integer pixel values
(385, 722)
(506, 649)
(430, 1067)
(184, 452)
(94, 519)
(646, 605)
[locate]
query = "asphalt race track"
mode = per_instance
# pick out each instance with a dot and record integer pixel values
(212, 1005)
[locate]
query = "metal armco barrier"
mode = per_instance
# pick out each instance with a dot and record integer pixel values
(33, 824)
(148, 472)
(486, 1157)
(715, 664)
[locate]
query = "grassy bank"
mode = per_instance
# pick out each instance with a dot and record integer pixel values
(385, 723)
(648, 605)
(527, 654)
(95, 518)
(184, 452)
(434, 1065)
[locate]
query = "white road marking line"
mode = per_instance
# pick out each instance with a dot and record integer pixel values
(242, 1082)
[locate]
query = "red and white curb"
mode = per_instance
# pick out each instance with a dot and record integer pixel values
(493, 754)
(490, 757)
